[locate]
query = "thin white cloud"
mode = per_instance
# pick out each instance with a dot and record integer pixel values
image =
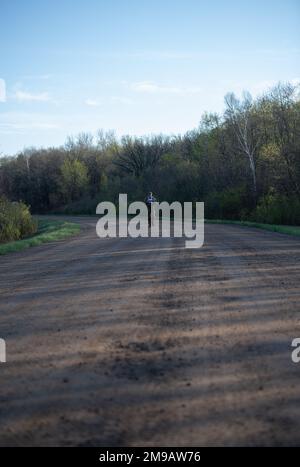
(162, 55)
(2, 90)
(122, 100)
(10, 127)
(263, 86)
(145, 86)
(26, 123)
(92, 103)
(259, 88)
(150, 87)
(42, 77)
(278, 52)
(295, 82)
(24, 96)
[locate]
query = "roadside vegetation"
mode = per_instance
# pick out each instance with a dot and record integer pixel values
(244, 164)
(285, 229)
(47, 231)
(16, 221)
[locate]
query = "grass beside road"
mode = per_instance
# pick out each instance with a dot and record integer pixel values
(48, 231)
(286, 229)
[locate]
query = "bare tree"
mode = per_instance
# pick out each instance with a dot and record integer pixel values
(137, 154)
(241, 116)
(106, 139)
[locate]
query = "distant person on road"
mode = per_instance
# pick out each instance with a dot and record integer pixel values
(150, 199)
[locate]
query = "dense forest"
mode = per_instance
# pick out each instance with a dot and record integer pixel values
(244, 164)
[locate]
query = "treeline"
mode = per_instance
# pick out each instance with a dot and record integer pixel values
(245, 164)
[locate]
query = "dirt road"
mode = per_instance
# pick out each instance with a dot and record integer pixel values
(140, 342)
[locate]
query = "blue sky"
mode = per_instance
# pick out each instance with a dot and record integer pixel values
(138, 67)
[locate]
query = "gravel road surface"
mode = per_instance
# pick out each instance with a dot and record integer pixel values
(141, 342)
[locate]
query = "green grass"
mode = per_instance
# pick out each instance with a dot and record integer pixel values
(48, 231)
(286, 229)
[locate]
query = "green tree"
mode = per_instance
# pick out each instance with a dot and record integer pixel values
(74, 179)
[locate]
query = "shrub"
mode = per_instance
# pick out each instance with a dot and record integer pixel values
(227, 204)
(15, 221)
(277, 209)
